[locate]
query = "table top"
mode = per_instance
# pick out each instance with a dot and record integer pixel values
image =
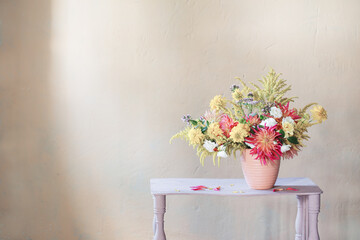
(230, 187)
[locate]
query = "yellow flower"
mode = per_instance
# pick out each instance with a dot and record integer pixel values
(196, 136)
(239, 132)
(237, 96)
(318, 113)
(217, 103)
(214, 130)
(288, 129)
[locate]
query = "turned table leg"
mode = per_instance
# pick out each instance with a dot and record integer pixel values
(314, 209)
(300, 222)
(159, 211)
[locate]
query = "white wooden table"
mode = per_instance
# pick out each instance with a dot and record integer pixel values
(308, 196)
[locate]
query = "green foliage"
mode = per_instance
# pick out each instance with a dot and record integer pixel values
(238, 110)
(242, 121)
(282, 133)
(203, 129)
(193, 122)
(300, 132)
(293, 140)
(303, 110)
(273, 89)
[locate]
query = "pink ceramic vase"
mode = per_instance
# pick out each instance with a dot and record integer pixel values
(259, 176)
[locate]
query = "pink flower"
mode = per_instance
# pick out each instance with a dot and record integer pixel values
(266, 142)
(288, 112)
(226, 124)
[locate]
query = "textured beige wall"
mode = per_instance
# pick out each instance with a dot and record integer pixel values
(91, 92)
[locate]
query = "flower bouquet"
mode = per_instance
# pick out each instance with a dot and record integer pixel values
(258, 119)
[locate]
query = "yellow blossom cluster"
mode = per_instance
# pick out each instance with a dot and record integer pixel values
(214, 130)
(318, 113)
(239, 133)
(196, 136)
(218, 103)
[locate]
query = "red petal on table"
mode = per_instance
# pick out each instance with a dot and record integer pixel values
(292, 189)
(197, 188)
(277, 189)
(217, 189)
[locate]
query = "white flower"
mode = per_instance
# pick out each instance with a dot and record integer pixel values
(209, 145)
(275, 112)
(221, 153)
(222, 148)
(289, 120)
(285, 148)
(250, 145)
(269, 122)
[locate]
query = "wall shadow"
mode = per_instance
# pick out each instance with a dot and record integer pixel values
(34, 190)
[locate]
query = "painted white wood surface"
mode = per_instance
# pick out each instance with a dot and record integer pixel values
(179, 186)
(308, 196)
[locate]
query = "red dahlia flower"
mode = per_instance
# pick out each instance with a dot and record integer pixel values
(266, 142)
(288, 112)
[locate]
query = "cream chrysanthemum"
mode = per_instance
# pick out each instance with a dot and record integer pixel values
(196, 136)
(237, 96)
(240, 132)
(214, 130)
(318, 113)
(288, 129)
(217, 103)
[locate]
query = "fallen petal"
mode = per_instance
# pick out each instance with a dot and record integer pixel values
(197, 188)
(277, 189)
(217, 189)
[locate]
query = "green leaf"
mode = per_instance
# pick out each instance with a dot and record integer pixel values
(203, 129)
(242, 121)
(262, 117)
(282, 133)
(293, 140)
(252, 131)
(193, 122)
